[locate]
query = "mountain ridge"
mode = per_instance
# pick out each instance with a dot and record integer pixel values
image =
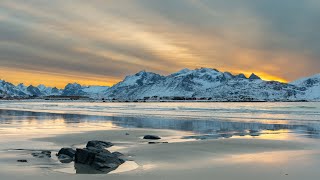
(198, 83)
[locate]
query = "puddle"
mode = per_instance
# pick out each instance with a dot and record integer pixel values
(83, 169)
(126, 167)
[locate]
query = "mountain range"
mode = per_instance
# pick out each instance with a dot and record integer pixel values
(203, 83)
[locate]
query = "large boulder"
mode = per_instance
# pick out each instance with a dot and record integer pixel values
(99, 144)
(98, 159)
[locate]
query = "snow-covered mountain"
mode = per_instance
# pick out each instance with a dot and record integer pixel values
(199, 83)
(205, 83)
(47, 91)
(311, 87)
(78, 90)
(9, 90)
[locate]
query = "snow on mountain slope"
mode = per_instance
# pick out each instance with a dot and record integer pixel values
(90, 91)
(199, 83)
(9, 90)
(47, 91)
(73, 89)
(95, 91)
(134, 82)
(22, 91)
(311, 85)
(204, 82)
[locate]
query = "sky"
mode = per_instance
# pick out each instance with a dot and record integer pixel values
(99, 42)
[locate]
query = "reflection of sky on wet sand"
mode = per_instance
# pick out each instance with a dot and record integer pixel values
(281, 134)
(33, 124)
(19, 125)
(277, 158)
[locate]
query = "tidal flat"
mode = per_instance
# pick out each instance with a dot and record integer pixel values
(198, 140)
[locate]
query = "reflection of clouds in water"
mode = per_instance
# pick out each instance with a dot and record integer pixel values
(272, 158)
(212, 128)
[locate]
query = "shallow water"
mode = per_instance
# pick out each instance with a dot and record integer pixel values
(215, 120)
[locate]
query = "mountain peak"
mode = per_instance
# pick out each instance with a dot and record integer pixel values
(141, 73)
(72, 85)
(41, 86)
(181, 72)
(207, 69)
(21, 85)
(254, 77)
(31, 86)
(241, 76)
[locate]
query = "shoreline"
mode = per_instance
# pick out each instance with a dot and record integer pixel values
(157, 101)
(179, 160)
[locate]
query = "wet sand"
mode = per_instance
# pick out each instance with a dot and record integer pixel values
(222, 159)
(283, 146)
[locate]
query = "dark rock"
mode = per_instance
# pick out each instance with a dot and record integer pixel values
(117, 154)
(42, 154)
(67, 151)
(84, 156)
(153, 137)
(98, 159)
(157, 142)
(86, 169)
(99, 144)
(127, 134)
(65, 158)
(22, 160)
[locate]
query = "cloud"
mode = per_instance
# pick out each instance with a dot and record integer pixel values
(107, 40)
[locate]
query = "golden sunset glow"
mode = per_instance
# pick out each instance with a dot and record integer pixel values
(55, 80)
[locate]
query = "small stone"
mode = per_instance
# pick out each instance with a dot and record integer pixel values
(65, 158)
(67, 151)
(42, 154)
(127, 134)
(157, 142)
(22, 160)
(153, 137)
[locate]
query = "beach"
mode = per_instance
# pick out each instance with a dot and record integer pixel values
(222, 150)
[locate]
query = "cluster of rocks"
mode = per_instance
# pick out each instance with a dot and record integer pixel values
(94, 158)
(42, 154)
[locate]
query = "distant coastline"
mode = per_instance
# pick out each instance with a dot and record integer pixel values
(204, 84)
